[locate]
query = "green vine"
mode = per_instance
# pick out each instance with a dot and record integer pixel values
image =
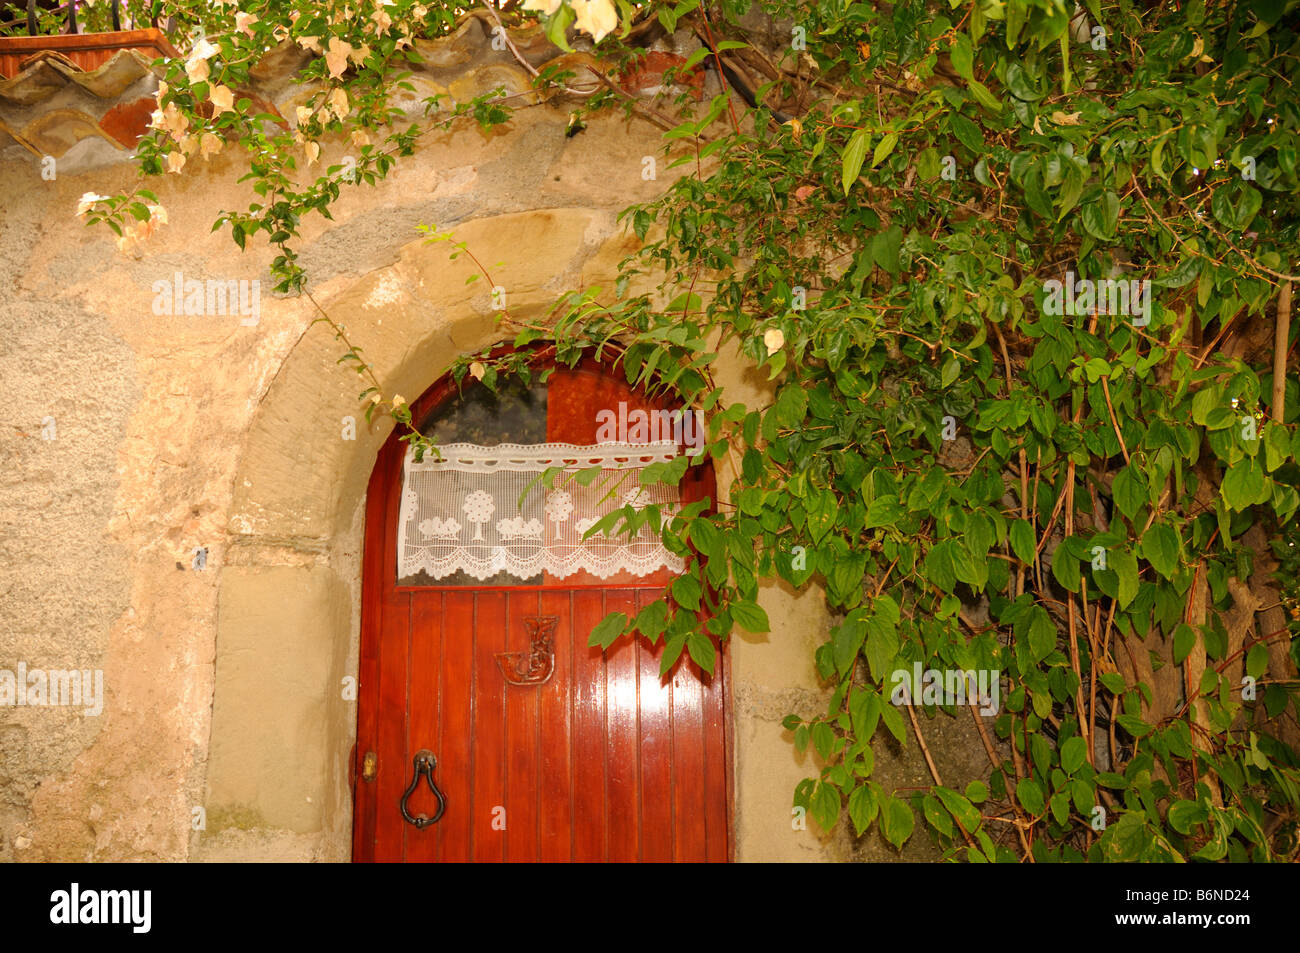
(1017, 274)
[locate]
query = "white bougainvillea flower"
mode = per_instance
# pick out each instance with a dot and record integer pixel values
(398, 400)
(375, 398)
(338, 102)
(312, 150)
(360, 53)
(196, 65)
(223, 100)
(204, 50)
(596, 17)
(175, 161)
(773, 340)
(244, 22)
(174, 121)
(188, 144)
(157, 214)
(476, 369)
(304, 114)
(197, 70)
(87, 200)
(360, 138)
(381, 19)
(163, 90)
(309, 43)
(336, 56)
(547, 7)
(209, 145)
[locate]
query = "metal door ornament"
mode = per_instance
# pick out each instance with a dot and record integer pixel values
(538, 665)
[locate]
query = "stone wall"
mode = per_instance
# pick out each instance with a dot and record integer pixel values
(175, 434)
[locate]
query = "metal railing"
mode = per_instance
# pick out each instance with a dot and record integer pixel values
(33, 27)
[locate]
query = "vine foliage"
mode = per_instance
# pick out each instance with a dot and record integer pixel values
(1017, 273)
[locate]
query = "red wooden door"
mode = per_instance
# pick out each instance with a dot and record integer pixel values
(604, 761)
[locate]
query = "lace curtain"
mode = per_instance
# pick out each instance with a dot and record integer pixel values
(463, 512)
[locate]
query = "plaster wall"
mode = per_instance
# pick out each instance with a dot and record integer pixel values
(223, 684)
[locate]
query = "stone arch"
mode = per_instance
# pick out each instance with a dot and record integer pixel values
(288, 613)
(288, 616)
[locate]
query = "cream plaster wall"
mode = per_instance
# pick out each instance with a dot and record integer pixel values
(224, 685)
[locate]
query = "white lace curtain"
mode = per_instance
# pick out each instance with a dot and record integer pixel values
(463, 512)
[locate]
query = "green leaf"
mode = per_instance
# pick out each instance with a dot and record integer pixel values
(701, 649)
(967, 814)
(951, 371)
(825, 807)
(1073, 754)
(863, 806)
(935, 814)
(1060, 805)
(1134, 725)
(897, 821)
(1184, 815)
(1030, 795)
(847, 641)
(968, 134)
(893, 720)
(791, 406)
(1160, 547)
(1042, 635)
(1124, 562)
(977, 791)
(1235, 204)
(1129, 491)
(1020, 84)
(1245, 484)
(884, 148)
(884, 511)
(1100, 217)
(750, 615)
(886, 248)
(1257, 660)
(686, 590)
(1021, 536)
(607, 630)
(854, 154)
(882, 646)
(652, 620)
(1184, 642)
(963, 55)
(823, 738)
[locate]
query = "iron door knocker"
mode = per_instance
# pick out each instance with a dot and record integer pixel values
(425, 762)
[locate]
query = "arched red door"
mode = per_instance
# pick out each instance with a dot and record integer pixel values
(603, 760)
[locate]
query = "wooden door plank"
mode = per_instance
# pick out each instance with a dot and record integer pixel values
(588, 730)
(455, 750)
(688, 763)
(715, 762)
(622, 767)
(426, 645)
(372, 594)
(489, 728)
(656, 748)
(395, 768)
(522, 773)
(555, 790)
